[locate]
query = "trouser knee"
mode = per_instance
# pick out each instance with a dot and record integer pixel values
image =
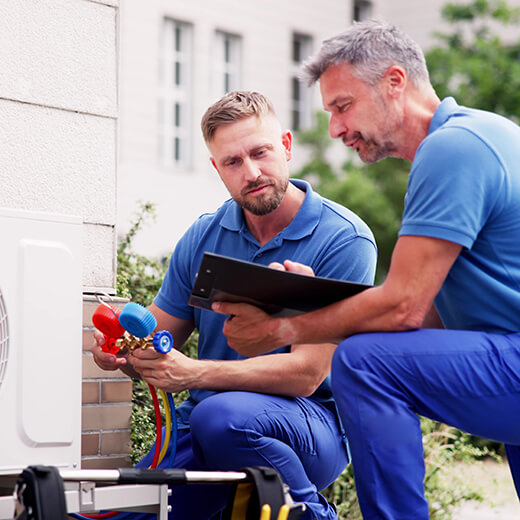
(352, 352)
(357, 364)
(213, 423)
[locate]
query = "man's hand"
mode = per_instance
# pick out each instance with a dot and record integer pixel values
(292, 267)
(172, 372)
(250, 331)
(105, 360)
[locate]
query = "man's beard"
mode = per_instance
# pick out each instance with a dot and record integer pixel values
(374, 151)
(262, 204)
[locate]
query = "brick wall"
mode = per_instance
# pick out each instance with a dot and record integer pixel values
(107, 406)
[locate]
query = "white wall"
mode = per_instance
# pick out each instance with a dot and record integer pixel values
(58, 115)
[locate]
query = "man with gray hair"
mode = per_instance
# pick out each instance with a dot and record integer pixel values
(441, 336)
(274, 410)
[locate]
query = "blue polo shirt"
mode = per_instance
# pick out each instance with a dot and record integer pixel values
(464, 187)
(333, 240)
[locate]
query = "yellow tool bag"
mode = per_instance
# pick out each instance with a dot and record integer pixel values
(263, 496)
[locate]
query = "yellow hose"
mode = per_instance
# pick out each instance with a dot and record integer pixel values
(168, 428)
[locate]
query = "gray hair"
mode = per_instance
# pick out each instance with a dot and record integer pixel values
(233, 107)
(371, 47)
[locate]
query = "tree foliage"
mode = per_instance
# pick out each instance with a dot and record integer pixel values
(473, 63)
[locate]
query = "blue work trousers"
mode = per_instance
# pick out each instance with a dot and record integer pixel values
(383, 381)
(298, 437)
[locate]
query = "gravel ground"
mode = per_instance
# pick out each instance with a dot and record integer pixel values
(494, 480)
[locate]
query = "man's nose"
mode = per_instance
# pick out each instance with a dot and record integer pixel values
(336, 127)
(251, 170)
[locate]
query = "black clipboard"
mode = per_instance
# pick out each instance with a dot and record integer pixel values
(280, 293)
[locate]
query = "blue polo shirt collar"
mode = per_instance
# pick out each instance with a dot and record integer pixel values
(302, 225)
(444, 111)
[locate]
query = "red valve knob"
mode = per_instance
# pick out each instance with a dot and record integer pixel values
(106, 320)
(110, 346)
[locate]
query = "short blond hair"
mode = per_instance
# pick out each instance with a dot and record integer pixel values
(233, 107)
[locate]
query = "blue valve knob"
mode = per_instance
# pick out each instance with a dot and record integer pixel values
(137, 320)
(162, 341)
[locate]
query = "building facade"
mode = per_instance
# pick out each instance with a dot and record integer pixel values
(177, 57)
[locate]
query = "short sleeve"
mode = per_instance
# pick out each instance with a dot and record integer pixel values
(453, 186)
(352, 259)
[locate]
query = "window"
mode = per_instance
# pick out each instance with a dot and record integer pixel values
(174, 107)
(227, 62)
(300, 93)
(362, 10)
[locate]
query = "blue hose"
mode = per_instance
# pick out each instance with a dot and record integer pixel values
(173, 438)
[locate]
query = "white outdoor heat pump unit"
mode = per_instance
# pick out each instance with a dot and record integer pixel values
(40, 340)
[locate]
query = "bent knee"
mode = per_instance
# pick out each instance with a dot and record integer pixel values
(351, 351)
(217, 416)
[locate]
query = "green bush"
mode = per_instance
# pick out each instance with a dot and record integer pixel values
(138, 277)
(143, 421)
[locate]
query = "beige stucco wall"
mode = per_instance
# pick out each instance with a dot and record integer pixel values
(58, 115)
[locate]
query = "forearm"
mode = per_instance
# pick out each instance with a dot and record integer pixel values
(402, 302)
(281, 374)
(376, 309)
(418, 270)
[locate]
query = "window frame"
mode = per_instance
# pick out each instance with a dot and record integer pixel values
(175, 94)
(301, 96)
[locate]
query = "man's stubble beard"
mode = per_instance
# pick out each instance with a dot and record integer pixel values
(262, 204)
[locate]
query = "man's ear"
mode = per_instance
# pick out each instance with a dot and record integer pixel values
(395, 80)
(287, 140)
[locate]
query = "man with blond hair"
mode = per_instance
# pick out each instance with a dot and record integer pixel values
(274, 410)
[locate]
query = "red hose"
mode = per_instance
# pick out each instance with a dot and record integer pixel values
(110, 514)
(158, 425)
